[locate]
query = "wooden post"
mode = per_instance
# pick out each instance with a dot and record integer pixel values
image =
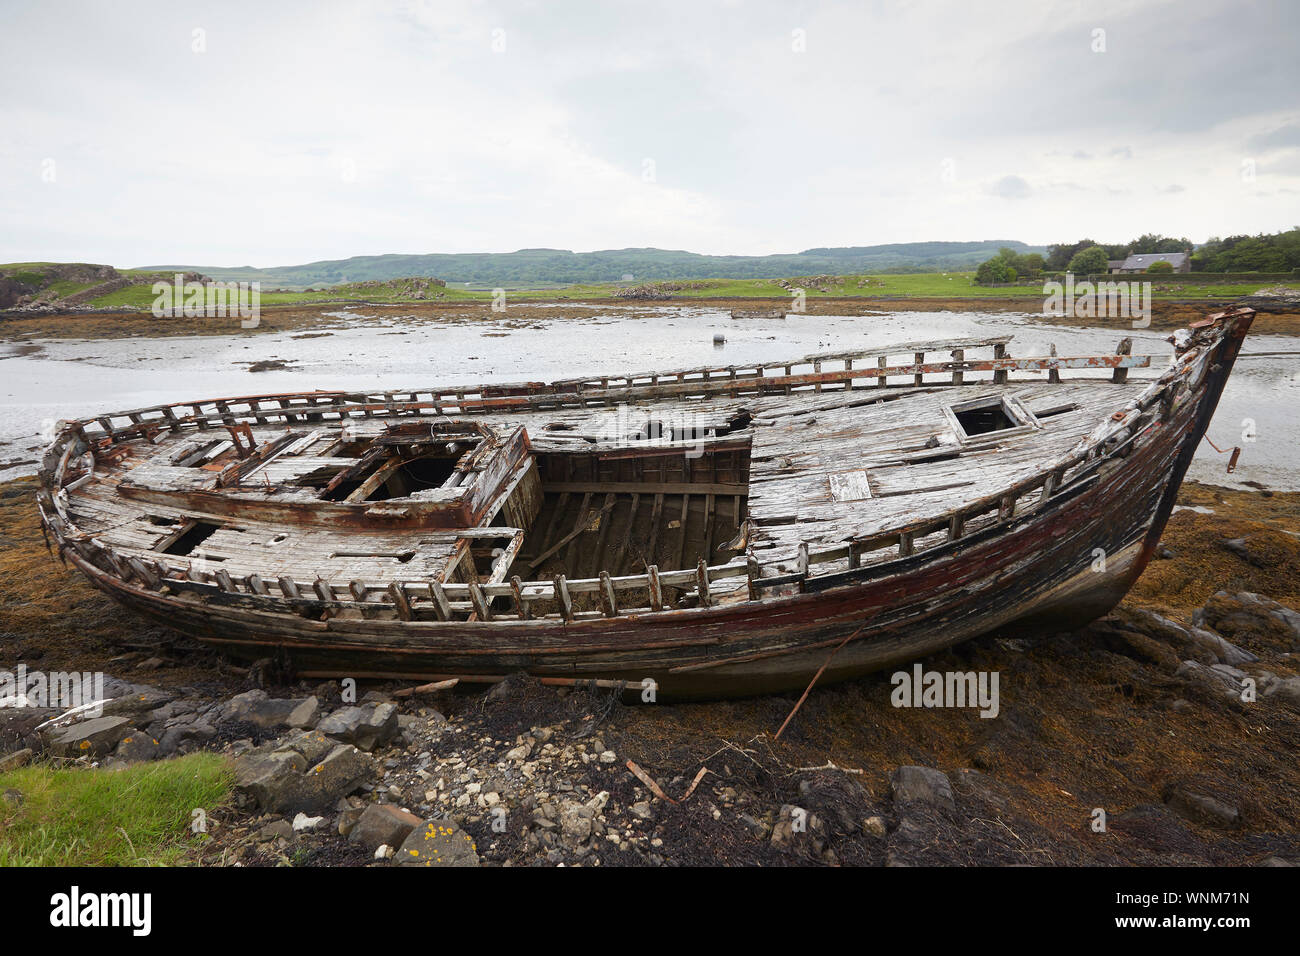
(1054, 374)
(480, 601)
(562, 595)
(958, 355)
(441, 606)
(608, 601)
(400, 602)
(702, 582)
(752, 572)
(521, 606)
(1125, 348)
(654, 588)
(999, 374)
(905, 544)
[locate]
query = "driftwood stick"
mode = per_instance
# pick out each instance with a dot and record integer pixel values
(807, 690)
(433, 688)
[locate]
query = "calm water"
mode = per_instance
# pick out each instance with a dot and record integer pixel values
(71, 379)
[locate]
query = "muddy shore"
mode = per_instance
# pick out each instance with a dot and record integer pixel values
(1110, 717)
(1273, 319)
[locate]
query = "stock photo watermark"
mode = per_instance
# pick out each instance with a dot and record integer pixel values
(82, 691)
(191, 299)
(949, 689)
(1120, 299)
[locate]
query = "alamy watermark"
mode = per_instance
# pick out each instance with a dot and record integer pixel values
(1121, 299)
(208, 300)
(922, 688)
(68, 690)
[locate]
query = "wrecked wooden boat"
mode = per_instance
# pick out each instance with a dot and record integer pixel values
(721, 530)
(758, 313)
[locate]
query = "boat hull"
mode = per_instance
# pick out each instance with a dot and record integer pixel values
(1066, 560)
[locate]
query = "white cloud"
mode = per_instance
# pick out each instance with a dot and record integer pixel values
(341, 129)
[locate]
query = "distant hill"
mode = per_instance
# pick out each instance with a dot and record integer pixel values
(542, 267)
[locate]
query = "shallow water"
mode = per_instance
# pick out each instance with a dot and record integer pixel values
(71, 378)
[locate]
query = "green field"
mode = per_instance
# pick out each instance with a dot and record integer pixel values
(932, 285)
(137, 816)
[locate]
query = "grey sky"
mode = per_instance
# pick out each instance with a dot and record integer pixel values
(284, 133)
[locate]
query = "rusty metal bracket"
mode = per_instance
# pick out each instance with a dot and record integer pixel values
(242, 430)
(1236, 453)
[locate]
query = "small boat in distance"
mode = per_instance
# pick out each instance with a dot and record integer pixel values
(719, 530)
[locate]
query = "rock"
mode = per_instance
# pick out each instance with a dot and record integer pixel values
(185, 737)
(381, 824)
(1140, 646)
(1275, 861)
(1202, 808)
(15, 760)
(13, 798)
(384, 853)
(796, 822)
(874, 826)
(642, 810)
(341, 772)
(1288, 690)
(575, 822)
(366, 726)
(275, 830)
(262, 778)
(922, 785)
(348, 820)
(138, 748)
(95, 737)
(303, 822)
(1185, 638)
(1250, 618)
(312, 744)
(1224, 651)
(280, 781)
(255, 707)
(1210, 678)
(437, 843)
(137, 699)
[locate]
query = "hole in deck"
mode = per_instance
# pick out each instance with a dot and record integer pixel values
(191, 538)
(982, 419)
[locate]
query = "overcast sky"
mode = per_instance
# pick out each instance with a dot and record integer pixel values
(271, 133)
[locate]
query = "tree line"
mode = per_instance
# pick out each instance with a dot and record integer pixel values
(1274, 252)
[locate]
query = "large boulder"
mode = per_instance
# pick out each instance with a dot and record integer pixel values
(282, 781)
(366, 726)
(1192, 641)
(96, 737)
(257, 708)
(1250, 618)
(263, 778)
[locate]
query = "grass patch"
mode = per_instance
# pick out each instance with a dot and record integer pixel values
(139, 816)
